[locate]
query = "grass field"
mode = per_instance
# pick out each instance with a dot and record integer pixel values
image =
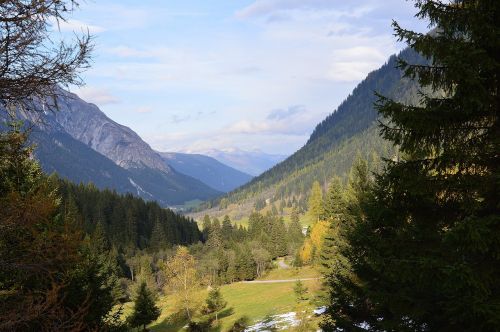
(255, 301)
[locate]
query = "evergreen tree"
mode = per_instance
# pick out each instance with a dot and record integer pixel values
(245, 265)
(278, 236)
(207, 223)
(295, 235)
(336, 214)
(215, 302)
(424, 251)
(300, 291)
(48, 274)
(145, 309)
(226, 229)
(158, 237)
(215, 236)
(315, 208)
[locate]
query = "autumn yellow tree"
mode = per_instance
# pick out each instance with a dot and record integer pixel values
(182, 280)
(313, 245)
(306, 252)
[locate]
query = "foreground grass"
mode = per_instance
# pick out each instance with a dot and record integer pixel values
(255, 301)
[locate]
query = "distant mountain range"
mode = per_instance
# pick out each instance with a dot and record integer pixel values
(206, 169)
(250, 162)
(80, 143)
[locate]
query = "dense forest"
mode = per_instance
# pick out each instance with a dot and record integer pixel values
(127, 221)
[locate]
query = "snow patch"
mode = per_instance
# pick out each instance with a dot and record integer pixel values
(320, 310)
(279, 322)
(139, 188)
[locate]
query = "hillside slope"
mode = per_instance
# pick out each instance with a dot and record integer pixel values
(81, 143)
(206, 169)
(333, 146)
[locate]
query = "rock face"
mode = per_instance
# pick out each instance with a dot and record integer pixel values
(86, 123)
(80, 143)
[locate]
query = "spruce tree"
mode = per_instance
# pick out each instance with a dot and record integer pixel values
(295, 235)
(158, 237)
(424, 252)
(335, 215)
(300, 291)
(226, 229)
(207, 223)
(315, 208)
(145, 309)
(215, 302)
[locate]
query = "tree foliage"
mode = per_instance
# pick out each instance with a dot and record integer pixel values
(145, 310)
(424, 250)
(33, 63)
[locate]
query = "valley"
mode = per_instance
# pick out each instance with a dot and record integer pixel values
(249, 166)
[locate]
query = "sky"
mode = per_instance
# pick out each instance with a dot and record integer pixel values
(197, 75)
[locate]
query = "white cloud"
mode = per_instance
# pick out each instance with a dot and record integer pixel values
(98, 96)
(352, 64)
(72, 25)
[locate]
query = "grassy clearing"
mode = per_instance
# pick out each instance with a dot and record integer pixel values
(252, 300)
(292, 273)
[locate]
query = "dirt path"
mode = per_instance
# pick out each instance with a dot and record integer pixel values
(277, 281)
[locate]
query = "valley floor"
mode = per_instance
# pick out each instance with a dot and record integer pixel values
(259, 301)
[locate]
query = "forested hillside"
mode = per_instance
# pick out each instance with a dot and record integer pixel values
(348, 132)
(127, 221)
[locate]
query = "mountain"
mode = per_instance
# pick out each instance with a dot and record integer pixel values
(81, 143)
(206, 169)
(351, 131)
(250, 162)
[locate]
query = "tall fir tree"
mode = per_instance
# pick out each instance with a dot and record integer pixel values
(145, 310)
(158, 237)
(226, 229)
(295, 235)
(424, 251)
(215, 303)
(315, 208)
(206, 224)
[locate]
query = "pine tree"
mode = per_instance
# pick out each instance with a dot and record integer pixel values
(207, 223)
(335, 214)
(245, 265)
(215, 235)
(424, 251)
(315, 208)
(295, 235)
(158, 237)
(300, 291)
(215, 302)
(145, 309)
(226, 229)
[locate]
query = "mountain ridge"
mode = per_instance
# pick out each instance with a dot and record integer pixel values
(208, 170)
(140, 170)
(350, 131)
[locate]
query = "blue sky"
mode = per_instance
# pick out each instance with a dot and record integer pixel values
(192, 75)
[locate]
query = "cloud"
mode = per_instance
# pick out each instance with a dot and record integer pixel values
(72, 25)
(267, 7)
(352, 64)
(282, 10)
(281, 114)
(98, 96)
